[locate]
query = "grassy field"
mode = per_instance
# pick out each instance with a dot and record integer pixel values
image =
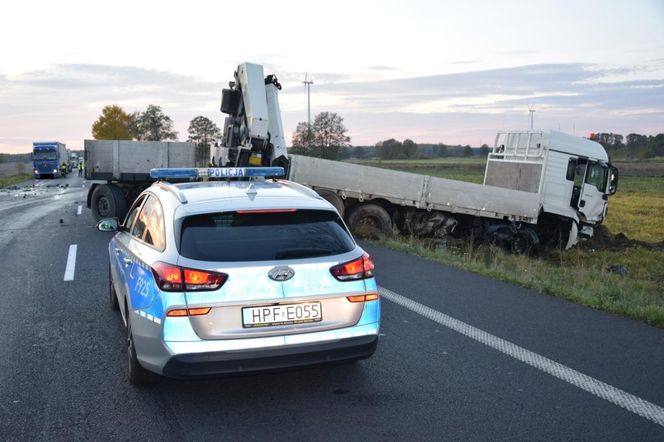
(463, 169)
(12, 173)
(9, 180)
(10, 169)
(580, 274)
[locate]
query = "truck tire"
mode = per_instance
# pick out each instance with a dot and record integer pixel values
(108, 201)
(524, 242)
(333, 199)
(371, 217)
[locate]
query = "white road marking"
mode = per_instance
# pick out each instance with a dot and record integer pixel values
(78, 211)
(629, 402)
(71, 263)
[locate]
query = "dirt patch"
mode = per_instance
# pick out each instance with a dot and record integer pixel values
(604, 240)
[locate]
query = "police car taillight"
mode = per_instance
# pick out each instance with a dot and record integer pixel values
(172, 278)
(199, 280)
(360, 268)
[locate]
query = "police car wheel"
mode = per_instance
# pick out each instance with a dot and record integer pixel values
(112, 297)
(136, 374)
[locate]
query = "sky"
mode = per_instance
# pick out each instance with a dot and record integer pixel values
(432, 71)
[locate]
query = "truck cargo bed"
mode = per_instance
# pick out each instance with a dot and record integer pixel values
(125, 161)
(419, 191)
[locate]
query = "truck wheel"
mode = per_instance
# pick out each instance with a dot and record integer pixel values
(524, 242)
(333, 199)
(108, 202)
(121, 205)
(370, 218)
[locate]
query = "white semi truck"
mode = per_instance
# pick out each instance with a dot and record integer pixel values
(539, 187)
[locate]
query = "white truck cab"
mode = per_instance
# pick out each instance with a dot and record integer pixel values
(572, 174)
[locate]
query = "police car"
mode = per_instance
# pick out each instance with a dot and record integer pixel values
(233, 276)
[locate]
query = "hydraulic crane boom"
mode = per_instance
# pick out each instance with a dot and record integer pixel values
(253, 132)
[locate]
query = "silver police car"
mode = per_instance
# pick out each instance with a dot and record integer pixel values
(221, 277)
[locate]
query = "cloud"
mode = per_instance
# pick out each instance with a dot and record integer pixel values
(465, 61)
(471, 106)
(62, 101)
(382, 68)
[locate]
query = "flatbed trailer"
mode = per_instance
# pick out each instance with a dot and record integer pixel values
(539, 187)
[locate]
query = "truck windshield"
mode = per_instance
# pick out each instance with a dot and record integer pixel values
(45, 155)
(233, 236)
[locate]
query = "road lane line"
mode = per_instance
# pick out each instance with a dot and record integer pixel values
(71, 263)
(78, 211)
(616, 396)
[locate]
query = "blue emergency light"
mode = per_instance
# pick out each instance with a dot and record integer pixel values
(216, 172)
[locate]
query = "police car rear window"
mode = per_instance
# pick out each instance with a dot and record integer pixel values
(264, 236)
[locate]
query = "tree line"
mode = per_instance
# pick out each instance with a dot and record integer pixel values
(15, 157)
(150, 125)
(327, 137)
(633, 146)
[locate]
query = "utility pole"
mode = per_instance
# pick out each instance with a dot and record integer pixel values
(531, 111)
(307, 85)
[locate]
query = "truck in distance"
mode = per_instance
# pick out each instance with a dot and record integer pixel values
(48, 158)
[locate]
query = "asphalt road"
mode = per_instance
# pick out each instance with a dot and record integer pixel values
(62, 370)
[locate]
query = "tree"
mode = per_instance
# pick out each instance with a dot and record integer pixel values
(203, 131)
(359, 152)
(440, 150)
(303, 139)
(390, 149)
(325, 138)
(635, 140)
(409, 148)
(329, 134)
(113, 124)
(467, 151)
(154, 125)
(484, 150)
(133, 125)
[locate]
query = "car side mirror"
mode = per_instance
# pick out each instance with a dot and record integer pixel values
(108, 225)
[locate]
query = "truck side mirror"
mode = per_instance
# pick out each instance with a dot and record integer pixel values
(612, 188)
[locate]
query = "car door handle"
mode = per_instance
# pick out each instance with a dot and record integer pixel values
(126, 260)
(117, 251)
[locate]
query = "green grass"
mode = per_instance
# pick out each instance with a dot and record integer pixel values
(8, 181)
(579, 275)
(462, 169)
(637, 209)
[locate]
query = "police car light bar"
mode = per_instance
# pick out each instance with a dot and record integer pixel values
(216, 172)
